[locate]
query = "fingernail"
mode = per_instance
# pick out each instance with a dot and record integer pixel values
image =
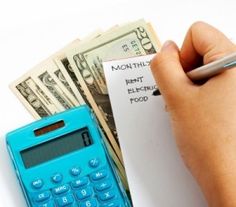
(166, 45)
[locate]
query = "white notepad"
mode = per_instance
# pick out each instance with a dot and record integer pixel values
(156, 173)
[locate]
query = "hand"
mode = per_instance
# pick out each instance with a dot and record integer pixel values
(203, 117)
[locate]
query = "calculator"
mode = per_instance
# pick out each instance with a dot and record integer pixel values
(61, 160)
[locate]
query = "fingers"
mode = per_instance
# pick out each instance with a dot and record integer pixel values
(168, 72)
(203, 44)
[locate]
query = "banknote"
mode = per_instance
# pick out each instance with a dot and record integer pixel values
(35, 98)
(49, 83)
(36, 101)
(58, 73)
(71, 78)
(67, 71)
(129, 40)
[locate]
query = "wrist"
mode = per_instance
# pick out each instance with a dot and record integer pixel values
(218, 182)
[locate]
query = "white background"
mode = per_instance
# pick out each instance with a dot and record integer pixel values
(30, 31)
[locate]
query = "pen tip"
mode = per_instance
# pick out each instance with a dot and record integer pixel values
(156, 93)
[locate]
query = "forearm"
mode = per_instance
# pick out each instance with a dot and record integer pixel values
(218, 180)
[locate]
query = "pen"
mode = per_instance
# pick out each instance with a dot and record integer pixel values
(213, 68)
(210, 69)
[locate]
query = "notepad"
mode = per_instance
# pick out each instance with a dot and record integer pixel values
(156, 173)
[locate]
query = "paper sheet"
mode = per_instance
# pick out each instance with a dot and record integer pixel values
(156, 173)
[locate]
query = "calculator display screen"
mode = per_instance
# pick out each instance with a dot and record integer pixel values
(56, 147)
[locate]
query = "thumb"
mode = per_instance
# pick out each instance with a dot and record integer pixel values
(168, 72)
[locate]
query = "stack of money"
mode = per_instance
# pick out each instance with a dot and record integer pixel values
(74, 76)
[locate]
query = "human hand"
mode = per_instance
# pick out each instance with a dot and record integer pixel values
(203, 117)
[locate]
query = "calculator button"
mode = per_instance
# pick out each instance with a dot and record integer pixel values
(37, 184)
(61, 189)
(75, 171)
(57, 178)
(107, 195)
(48, 204)
(79, 182)
(89, 203)
(94, 163)
(84, 193)
(65, 200)
(112, 204)
(103, 185)
(39, 197)
(99, 175)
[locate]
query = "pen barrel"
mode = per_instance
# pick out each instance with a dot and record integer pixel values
(213, 68)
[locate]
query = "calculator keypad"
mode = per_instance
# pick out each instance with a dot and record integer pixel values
(94, 190)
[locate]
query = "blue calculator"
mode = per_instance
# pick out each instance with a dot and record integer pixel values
(62, 161)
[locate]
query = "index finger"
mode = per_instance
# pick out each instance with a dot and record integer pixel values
(203, 44)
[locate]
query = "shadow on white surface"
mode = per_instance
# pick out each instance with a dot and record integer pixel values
(11, 194)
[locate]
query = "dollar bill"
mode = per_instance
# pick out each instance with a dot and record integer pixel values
(58, 73)
(37, 102)
(50, 84)
(71, 78)
(130, 40)
(67, 71)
